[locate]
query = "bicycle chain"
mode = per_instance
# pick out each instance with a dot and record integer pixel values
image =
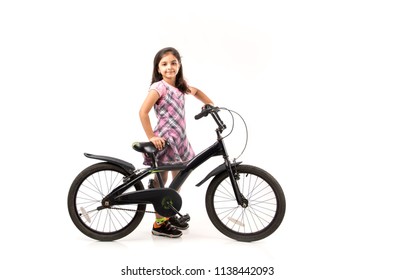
(132, 210)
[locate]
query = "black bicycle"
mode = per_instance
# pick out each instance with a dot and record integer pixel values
(107, 200)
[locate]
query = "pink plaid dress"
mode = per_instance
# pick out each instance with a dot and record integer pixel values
(170, 112)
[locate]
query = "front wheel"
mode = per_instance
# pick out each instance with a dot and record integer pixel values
(265, 210)
(84, 203)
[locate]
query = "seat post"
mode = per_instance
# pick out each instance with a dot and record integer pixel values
(155, 165)
(160, 180)
(153, 159)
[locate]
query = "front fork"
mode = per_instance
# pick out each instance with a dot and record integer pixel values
(234, 176)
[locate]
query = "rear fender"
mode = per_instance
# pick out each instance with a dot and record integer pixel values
(121, 163)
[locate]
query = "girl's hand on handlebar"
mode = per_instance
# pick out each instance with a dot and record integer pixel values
(159, 142)
(207, 106)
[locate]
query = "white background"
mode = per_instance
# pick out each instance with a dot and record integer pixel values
(314, 80)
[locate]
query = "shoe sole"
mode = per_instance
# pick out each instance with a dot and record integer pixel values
(180, 228)
(165, 235)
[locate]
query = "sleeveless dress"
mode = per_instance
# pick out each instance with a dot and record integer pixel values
(171, 125)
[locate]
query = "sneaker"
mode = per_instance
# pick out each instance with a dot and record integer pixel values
(174, 221)
(166, 229)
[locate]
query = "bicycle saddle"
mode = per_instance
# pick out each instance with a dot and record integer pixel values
(144, 147)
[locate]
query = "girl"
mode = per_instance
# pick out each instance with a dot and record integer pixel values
(167, 96)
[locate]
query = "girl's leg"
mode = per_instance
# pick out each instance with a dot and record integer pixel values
(162, 225)
(164, 179)
(156, 185)
(174, 173)
(174, 220)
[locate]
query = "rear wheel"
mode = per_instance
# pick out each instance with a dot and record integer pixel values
(85, 196)
(265, 210)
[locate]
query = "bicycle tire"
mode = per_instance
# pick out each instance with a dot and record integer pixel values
(265, 210)
(85, 195)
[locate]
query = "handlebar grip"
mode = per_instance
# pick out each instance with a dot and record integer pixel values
(205, 111)
(201, 114)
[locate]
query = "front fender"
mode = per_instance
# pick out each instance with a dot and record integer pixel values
(219, 169)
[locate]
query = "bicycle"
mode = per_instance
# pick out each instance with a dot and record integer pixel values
(107, 200)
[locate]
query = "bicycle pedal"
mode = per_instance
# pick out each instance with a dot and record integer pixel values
(184, 218)
(151, 184)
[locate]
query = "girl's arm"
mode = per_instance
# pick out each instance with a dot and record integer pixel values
(201, 95)
(146, 107)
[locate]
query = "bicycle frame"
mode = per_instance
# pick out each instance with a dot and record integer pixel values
(118, 195)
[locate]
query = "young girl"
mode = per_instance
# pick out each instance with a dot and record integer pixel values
(167, 96)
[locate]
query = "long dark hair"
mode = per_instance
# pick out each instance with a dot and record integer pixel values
(181, 84)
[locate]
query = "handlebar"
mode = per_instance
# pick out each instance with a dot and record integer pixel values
(209, 109)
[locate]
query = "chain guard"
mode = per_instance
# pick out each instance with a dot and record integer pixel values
(161, 199)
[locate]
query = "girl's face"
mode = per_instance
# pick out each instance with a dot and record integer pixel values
(168, 67)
